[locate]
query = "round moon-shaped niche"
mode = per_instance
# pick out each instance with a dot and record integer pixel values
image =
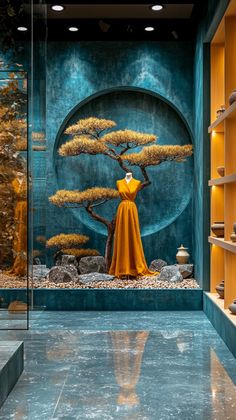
(171, 183)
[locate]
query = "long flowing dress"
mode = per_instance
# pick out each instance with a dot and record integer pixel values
(128, 256)
(19, 267)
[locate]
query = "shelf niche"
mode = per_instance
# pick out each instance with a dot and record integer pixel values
(223, 151)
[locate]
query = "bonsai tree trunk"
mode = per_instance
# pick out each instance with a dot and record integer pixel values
(110, 233)
(109, 242)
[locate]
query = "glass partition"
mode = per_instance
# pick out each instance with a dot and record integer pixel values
(39, 145)
(83, 109)
(14, 193)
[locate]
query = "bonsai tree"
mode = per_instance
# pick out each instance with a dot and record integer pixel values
(88, 138)
(70, 244)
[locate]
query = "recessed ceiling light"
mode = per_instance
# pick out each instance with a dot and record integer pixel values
(149, 28)
(22, 28)
(73, 29)
(157, 7)
(57, 7)
(175, 34)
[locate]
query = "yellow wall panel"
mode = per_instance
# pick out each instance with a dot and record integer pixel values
(230, 278)
(217, 267)
(217, 153)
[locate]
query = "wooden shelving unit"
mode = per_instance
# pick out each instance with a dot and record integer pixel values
(228, 245)
(218, 124)
(224, 180)
(223, 153)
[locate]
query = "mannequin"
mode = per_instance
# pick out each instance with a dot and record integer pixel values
(128, 177)
(128, 257)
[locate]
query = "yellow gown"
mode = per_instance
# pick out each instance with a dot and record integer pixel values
(128, 256)
(19, 267)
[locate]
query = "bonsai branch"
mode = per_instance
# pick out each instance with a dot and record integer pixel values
(125, 148)
(122, 165)
(146, 178)
(98, 204)
(89, 209)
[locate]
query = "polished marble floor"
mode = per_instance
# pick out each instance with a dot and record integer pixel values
(122, 365)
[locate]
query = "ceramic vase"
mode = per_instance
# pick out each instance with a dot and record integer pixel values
(233, 237)
(218, 228)
(234, 227)
(182, 255)
(220, 111)
(232, 97)
(221, 170)
(220, 288)
(232, 307)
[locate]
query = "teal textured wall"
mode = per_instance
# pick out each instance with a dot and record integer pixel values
(75, 72)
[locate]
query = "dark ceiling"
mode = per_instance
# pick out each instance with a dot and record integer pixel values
(115, 20)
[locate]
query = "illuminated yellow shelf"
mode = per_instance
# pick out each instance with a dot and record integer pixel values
(223, 152)
(223, 180)
(228, 245)
(218, 124)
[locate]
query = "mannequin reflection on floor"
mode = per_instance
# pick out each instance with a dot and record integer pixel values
(128, 256)
(128, 348)
(19, 267)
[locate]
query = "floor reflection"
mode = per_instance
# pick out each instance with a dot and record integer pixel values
(175, 368)
(223, 390)
(128, 348)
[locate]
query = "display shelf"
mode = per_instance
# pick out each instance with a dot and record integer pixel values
(221, 319)
(218, 124)
(220, 303)
(223, 189)
(228, 245)
(223, 180)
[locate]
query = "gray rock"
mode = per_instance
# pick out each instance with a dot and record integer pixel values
(37, 261)
(68, 260)
(91, 277)
(40, 271)
(92, 265)
(185, 269)
(170, 273)
(156, 265)
(63, 274)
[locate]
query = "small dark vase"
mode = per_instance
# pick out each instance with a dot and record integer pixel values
(218, 228)
(232, 97)
(232, 307)
(234, 227)
(220, 288)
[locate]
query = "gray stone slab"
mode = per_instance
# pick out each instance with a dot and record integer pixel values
(11, 366)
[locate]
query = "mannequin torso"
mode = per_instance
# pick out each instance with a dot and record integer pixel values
(128, 177)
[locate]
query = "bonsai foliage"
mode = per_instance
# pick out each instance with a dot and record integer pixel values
(88, 138)
(65, 198)
(154, 155)
(70, 244)
(63, 240)
(13, 139)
